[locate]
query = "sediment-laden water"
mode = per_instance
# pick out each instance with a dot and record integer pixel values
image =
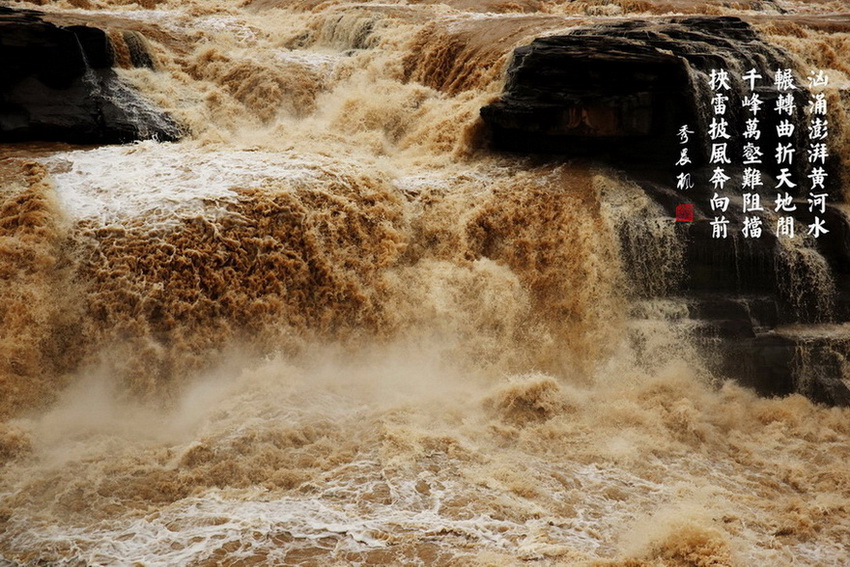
(331, 327)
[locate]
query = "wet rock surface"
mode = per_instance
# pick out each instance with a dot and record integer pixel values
(57, 84)
(768, 313)
(621, 90)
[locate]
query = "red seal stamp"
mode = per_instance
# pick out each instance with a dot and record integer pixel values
(684, 213)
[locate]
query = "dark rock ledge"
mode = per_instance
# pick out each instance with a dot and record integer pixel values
(57, 83)
(617, 93)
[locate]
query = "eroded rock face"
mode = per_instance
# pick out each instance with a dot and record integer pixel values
(769, 314)
(57, 84)
(622, 89)
(584, 96)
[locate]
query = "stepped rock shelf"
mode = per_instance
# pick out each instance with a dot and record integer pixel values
(57, 83)
(769, 314)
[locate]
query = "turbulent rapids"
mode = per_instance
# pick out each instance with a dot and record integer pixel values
(314, 315)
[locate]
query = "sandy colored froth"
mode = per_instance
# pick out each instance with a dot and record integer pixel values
(330, 328)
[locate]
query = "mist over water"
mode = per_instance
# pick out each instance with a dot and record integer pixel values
(329, 327)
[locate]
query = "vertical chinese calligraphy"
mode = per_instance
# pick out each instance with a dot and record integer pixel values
(785, 109)
(684, 212)
(751, 178)
(818, 130)
(718, 132)
(683, 180)
(797, 171)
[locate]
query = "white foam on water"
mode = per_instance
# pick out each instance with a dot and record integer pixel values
(227, 24)
(131, 12)
(315, 60)
(191, 529)
(110, 185)
(254, 522)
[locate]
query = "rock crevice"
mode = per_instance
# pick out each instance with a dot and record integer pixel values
(57, 83)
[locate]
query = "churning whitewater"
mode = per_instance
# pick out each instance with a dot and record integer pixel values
(330, 327)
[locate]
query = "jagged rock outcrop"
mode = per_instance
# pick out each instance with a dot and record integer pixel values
(767, 313)
(57, 83)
